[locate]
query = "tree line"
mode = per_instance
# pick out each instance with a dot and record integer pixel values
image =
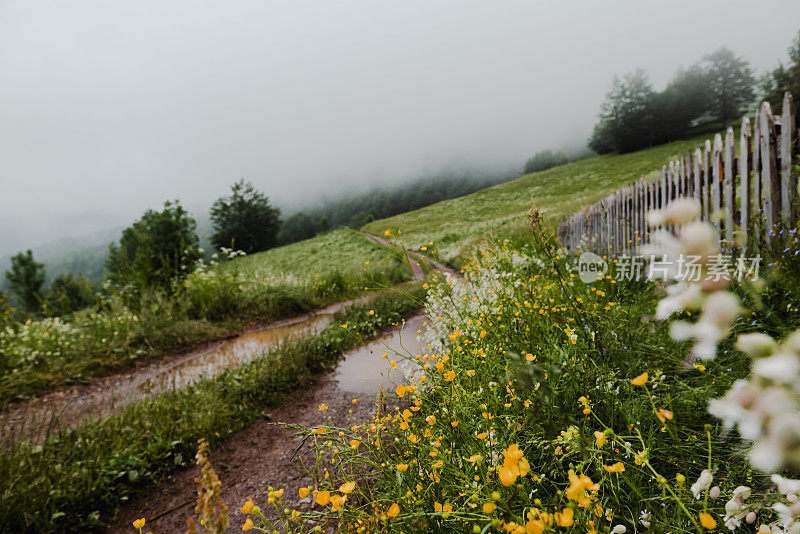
(711, 94)
(162, 247)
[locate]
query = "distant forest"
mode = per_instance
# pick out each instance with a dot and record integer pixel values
(380, 202)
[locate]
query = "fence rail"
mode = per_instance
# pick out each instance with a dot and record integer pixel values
(750, 197)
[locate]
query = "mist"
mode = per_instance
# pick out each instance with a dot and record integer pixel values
(108, 109)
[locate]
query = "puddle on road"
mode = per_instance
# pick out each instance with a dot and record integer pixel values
(233, 353)
(364, 368)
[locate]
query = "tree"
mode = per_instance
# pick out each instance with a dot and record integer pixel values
(69, 293)
(298, 227)
(360, 219)
(626, 115)
(245, 220)
(543, 160)
(730, 85)
(775, 84)
(25, 279)
(157, 249)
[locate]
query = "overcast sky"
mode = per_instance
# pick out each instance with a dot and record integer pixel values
(108, 108)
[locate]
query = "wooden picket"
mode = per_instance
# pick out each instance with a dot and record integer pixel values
(750, 198)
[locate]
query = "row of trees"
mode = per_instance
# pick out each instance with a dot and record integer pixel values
(634, 115)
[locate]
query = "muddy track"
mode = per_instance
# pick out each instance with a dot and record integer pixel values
(65, 408)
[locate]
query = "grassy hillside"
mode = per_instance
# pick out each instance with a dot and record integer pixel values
(341, 251)
(453, 224)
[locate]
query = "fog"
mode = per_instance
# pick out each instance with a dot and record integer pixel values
(108, 108)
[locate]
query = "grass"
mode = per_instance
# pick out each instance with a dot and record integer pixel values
(454, 225)
(76, 479)
(215, 302)
(529, 411)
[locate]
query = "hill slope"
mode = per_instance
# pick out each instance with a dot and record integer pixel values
(454, 224)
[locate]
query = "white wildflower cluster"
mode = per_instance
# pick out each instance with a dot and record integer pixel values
(696, 239)
(765, 407)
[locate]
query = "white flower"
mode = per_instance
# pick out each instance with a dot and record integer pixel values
(703, 483)
(785, 485)
(766, 456)
(619, 529)
(780, 367)
(721, 308)
(681, 211)
(756, 344)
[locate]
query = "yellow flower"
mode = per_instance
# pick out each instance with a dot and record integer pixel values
(488, 508)
(347, 487)
(401, 390)
(600, 438)
(708, 521)
(640, 380)
(323, 497)
(663, 415)
(565, 518)
(530, 357)
(483, 334)
(372, 312)
(449, 376)
(402, 467)
(248, 525)
(393, 510)
(139, 523)
(337, 502)
(323, 407)
(354, 443)
(246, 509)
(618, 467)
(471, 372)
(431, 420)
(304, 492)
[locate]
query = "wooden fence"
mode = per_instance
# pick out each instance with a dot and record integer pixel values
(750, 197)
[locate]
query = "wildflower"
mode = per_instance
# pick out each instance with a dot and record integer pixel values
(323, 407)
(246, 509)
(488, 508)
(600, 438)
(323, 497)
(337, 502)
(449, 376)
(483, 334)
(402, 467)
(431, 420)
(304, 492)
(139, 523)
(393, 510)
(618, 467)
(702, 484)
(401, 390)
(663, 415)
(347, 487)
(579, 487)
(354, 443)
(640, 380)
(708, 521)
(372, 312)
(565, 518)
(471, 372)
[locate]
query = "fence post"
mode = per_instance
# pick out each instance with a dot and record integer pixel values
(717, 182)
(744, 181)
(788, 185)
(728, 185)
(707, 204)
(769, 174)
(698, 179)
